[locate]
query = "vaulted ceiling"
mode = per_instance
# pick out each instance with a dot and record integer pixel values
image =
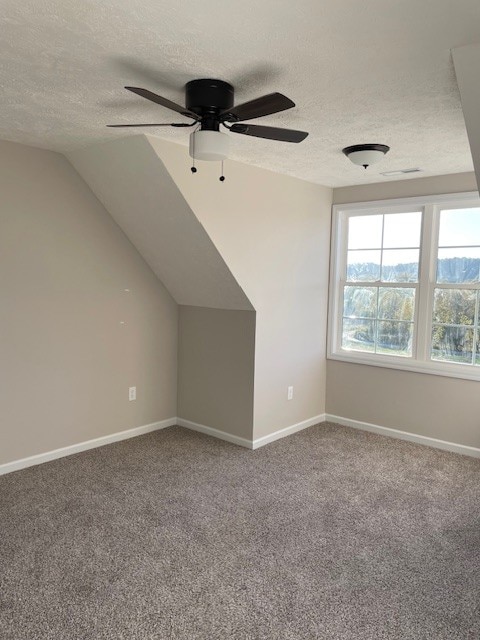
(358, 70)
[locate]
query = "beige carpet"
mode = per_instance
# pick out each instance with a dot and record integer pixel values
(328, 534)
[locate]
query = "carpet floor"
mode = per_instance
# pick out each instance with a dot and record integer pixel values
(331, 533)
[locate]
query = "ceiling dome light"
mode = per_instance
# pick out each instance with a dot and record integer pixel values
(209, 145)
(366, 154)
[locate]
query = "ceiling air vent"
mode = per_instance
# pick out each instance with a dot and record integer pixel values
(399, 172)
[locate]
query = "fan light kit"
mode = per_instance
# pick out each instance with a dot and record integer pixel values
(209, 103)
(366, 154)
(209, 145)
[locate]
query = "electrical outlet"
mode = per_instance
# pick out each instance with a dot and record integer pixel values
(132, 393)
(290, 393)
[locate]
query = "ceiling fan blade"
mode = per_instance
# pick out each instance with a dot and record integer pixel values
(264, 106)
(153, 97)
(172, 124)
(270, 133)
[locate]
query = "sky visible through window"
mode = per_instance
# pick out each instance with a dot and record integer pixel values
(377, 244)
(394, 239)
(459, 228)
(401, 230)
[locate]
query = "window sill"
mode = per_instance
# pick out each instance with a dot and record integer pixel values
(448, 370)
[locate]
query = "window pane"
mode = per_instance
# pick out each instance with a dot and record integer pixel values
(365, 232)
(402, 230)
(452, 344)
(363, 266)
(454, 306)
(396, 304)
(400, 265)
(380, 287)
(395, 338)
(458, 265)
(459, 227)
(360, 302)
(358, 335)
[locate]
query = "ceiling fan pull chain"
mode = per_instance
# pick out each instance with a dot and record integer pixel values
(193, 168)
(222, 177)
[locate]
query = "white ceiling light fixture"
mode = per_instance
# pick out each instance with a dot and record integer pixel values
(209, 145)
(366, 154)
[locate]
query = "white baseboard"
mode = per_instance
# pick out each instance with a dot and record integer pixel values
(40, 458)
(84, 446)
(287, 431)
(245, 442)
(405, 435)
(216, 433)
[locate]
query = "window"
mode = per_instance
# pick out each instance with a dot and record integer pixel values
(405, 285)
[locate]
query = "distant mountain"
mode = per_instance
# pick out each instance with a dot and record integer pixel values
(454, 270)
(450, 270)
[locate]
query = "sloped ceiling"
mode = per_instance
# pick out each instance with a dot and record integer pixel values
(467, 69)
(359, 71)
(133, 184)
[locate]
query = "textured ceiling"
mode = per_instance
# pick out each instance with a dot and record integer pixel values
(359, 71)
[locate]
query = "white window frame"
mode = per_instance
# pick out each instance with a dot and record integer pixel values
(420, 360)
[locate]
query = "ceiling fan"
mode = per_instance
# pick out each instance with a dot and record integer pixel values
(210, 104)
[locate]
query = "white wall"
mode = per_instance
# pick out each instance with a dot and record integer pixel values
(133, 184)
(424, 404)
(273, 232)
(72, 340)
(216, 362)
(434, 185)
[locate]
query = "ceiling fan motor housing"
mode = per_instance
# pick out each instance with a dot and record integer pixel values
(208, 98)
